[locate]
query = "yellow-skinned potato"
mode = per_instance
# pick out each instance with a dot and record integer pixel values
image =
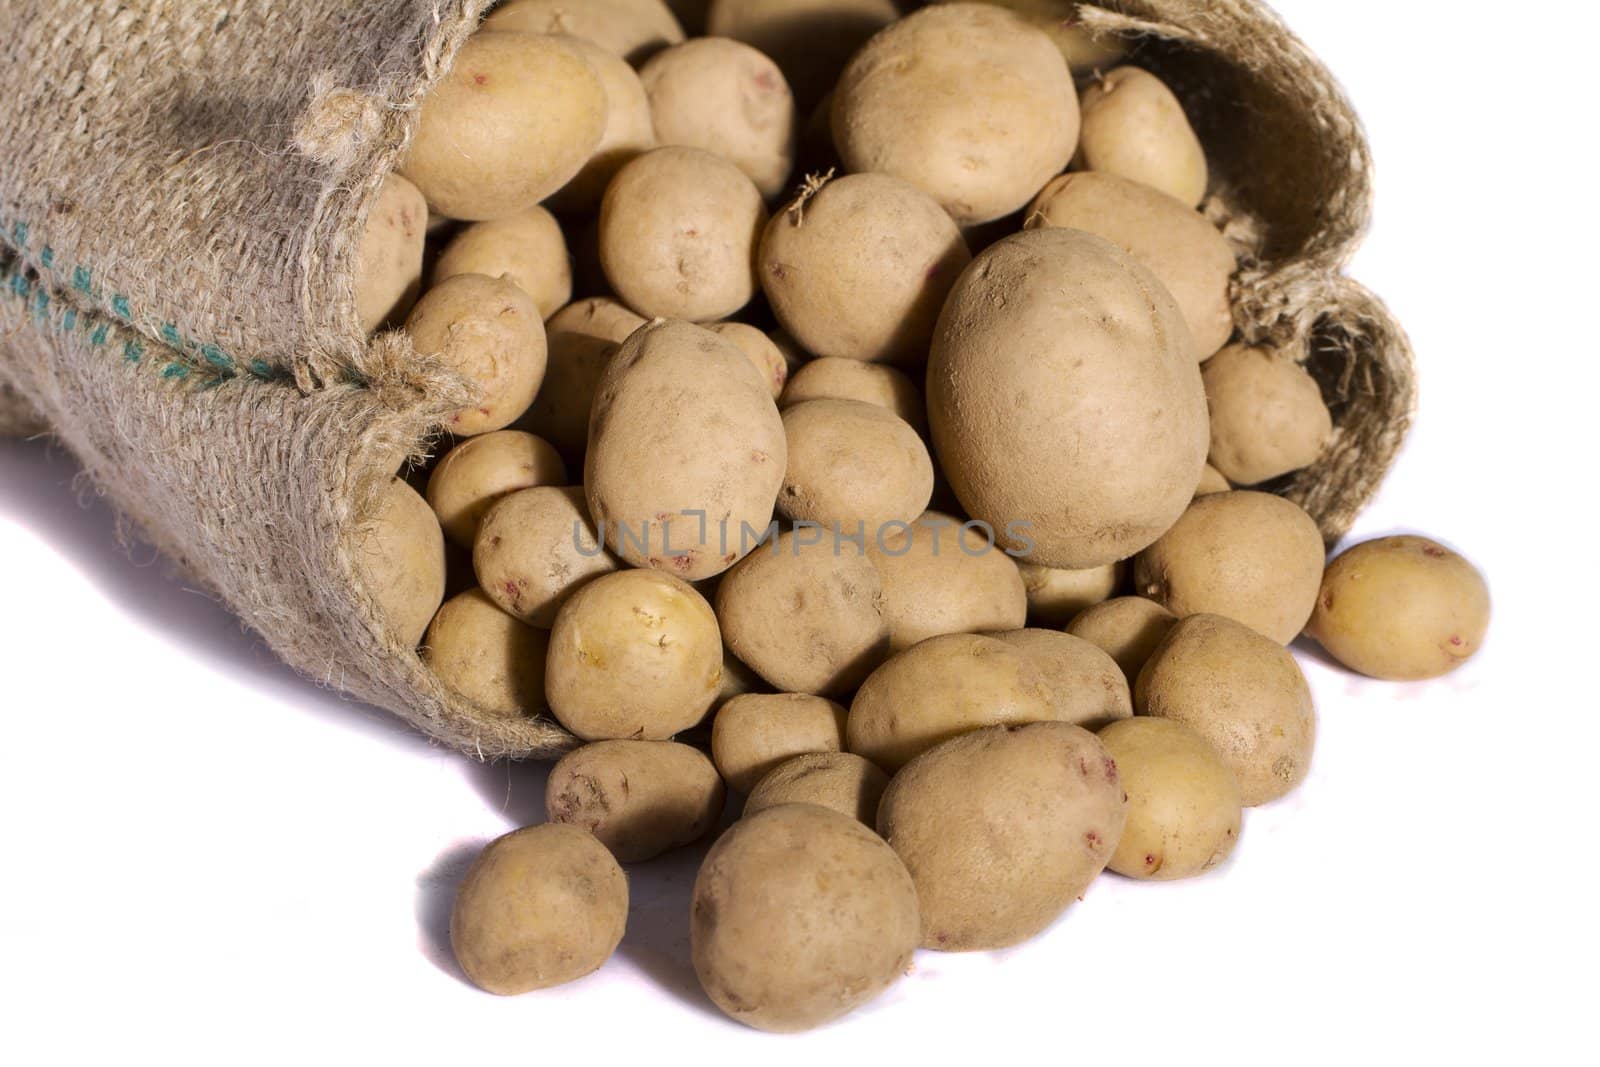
(1184, 807)
(853, 466)
(526, 249)
(534, 548)
(631, 29)
(1055, 596)
(811, 40)
(640, 798)
(1128, 629)
(840, 781)
(1084, 51)
(765, 356)
(1134, 127)
(1212, 481)
(967, 102)
(400, 552)
(754, 733)
(1084, 685)
(480, 470)
(488, 657)
(491, 333)
(1267, 415)
(630, 131)
(582, 338)
(390, 274)
(851, 379)
(1401, 608)
(513, 121)
(942, 578)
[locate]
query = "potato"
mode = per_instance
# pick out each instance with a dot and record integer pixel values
(534, 548)
(943, 578)
(630, 131)
(1075, 410)
(686, 452)
(640, 798)
(1134, 127)
(1128, 629)
(635, 654)
(491, 333)
(487, 657)
(1084, 685)
(481, 470)
(1002, 829)
(758, 348)
(752, 734)
(679, 229)
(1401, 608)
(1267, 415)
(632, 29)
(858, 267)
(514, 120)
(841, 781)
(527, 250)
(400, 554)
(811, 40)
(853, 467)
(1211, 479)
(1055, 596)
(539, 907)
(1253, 557)
(942, 688)
(389, 275)
(737, 678)
(1243, 693)
(851, 379)
(967, 102)
(1179, 245)
(1083, 50)
(582, 338)
(806, 614)
(800, 915)
(1184, 809)
(725, 97)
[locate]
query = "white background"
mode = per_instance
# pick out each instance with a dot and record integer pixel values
(210, 860)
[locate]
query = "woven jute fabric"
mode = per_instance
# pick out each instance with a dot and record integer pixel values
(182, 192)
(17, 417)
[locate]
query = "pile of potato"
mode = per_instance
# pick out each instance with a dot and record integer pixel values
(861, 386)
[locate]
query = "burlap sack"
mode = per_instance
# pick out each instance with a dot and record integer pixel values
(181, 197)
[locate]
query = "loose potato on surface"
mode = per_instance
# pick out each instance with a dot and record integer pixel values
(389, 275)
(1401, 608)
(754, 733)
(851, 379)
(526, 249)
(1134, 127)
(491, 333)
(1267, 415)
(1083, 684)
(853, 466)
(1084, 51)
(488, 657)
(539, 907)
(534, 548)
(800, 915)
(1128, 629)
(764, 356)
(517, 116)
(841, 781)
(1055, 596)
(400, 553)
(1253, 557)
(810, 39)
(1002, 830)
(631, 29)
(639, 798)
(1243, 693)
(1184, 808)
(940, 577)
(630, 131)
(582, 338)
(634, 654)
(480, 470)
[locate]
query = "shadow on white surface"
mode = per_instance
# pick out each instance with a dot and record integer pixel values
(436, 895)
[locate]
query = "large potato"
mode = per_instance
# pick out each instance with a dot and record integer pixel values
(755, 732)
(686, 452)
(631, 29)
(1128, 629)
(1074, 409)
(940, 577)
(389, 277)
(1084, 685)
(1084, 50)
(1267, 415)
(841, 781)
(491, 333)
(1134, 127)
(851, 379)
(534, 548)
(853, 466)
(967, 102)
(1002, 830)
(640, 798)
(630, 131)
(400, 553)
(811, 40)
(488, 657)
(1055, 596)
(1184, 808)
(481, 470)
(526, 249)
(582, 338)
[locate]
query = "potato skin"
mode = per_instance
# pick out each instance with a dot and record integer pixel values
(1402, 609)
(1002, 829)
(400, 553)
(1134, 127)
(754, 733)
(941, 578)
(841, 781)
(389, 277)
(527, 249)
(630, 131)
(1055, 596)
(1077, 409)
(1212, 481)
(1184, 807)
(811, 40)
(481, 470)
(1267, 415)
(766, 357)
(854, 466)
(631, 29)
(686, 450)
(582, 338)
(634, 654)
(639, 798)
(491, 333)
(538, 907)
(535, 547)
(487, 657)
(851, 379)
(1243, 693)
(1084, 685)
(1128, 629)
(1253, 557)
(800, 915)
(1085, 52)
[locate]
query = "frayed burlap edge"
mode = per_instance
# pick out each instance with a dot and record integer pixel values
(17, 417)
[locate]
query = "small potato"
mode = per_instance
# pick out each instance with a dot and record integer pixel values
(1253, 557)
(526, 249)
(806, 614)
(1243, 693)
(737, 678)
(582, 339)
(1134, 127)
(851, 379)
(1178, 244)
(764, 356)
(1002, 829)
(539, 907)
(841, 781)
(1402, 609)
(1084, 50)
(389, 276)
(488, 657)
(679, 229)
(967, 102)
(942, 578)
(514, 120)
(754, 733)
(1084, 685)
(491, 333)
(1128, 629)
(858, 267)
(480, 470)
(635, 654)
(630, 132)
(534, 548)
(853, 467)
(811, 40)
(1184, 810)
(631, 29)
(942, 688)
(1267, 415)
(1212, 481)
(1055, 596)
(640, 798)
(724, 97)
(400, 553)
(800, 915)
